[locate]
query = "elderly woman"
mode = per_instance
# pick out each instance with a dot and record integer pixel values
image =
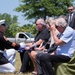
(50, 21)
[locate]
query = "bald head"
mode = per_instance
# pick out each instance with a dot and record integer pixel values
(40, 21)
(40, 24)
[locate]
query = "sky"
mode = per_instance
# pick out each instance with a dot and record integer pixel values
(8, 6)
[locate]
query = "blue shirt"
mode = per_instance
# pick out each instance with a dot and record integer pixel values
(68, 36)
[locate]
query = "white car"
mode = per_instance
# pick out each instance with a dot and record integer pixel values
(22, 37)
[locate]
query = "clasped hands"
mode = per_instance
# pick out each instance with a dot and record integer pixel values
(23, 47)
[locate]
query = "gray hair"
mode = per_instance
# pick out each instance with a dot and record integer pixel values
(41, 21)
(61, 22)
(50, 21)
(63, 16)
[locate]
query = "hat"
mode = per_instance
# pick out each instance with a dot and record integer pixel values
(2, 22)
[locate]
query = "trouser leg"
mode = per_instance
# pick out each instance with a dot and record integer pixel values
(8, 67)
(21, 56)
(5, 65)
(24, 62)
(47, 60)
(38, 64)
(10, 54)
(41, 68)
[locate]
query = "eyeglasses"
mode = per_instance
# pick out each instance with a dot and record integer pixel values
(70, 9)
(56, 26)
(37, 24)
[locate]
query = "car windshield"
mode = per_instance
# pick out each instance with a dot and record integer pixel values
(29, 34)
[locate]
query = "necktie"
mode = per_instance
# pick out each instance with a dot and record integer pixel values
(70, 17)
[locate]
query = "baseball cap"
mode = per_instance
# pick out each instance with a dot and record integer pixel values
(2, 22)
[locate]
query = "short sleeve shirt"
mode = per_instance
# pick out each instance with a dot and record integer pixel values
(44, 35)
(68, 36)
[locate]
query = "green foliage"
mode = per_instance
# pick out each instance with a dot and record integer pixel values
(29, 28)
(13, 28)
(42, 8)
(33, 9)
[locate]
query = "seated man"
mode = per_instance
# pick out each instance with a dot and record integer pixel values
(65, 49)
(42, 36)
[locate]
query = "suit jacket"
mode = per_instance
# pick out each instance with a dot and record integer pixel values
(72, 22)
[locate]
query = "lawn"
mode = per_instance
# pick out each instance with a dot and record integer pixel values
(17, 66)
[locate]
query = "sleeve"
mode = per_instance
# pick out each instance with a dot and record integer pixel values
(8, 44)
(67, 36)
(45, 35)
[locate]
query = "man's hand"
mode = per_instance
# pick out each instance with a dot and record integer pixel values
(53, 28)
(22, 47)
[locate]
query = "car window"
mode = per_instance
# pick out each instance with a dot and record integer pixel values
(29, 34)
(22, 36)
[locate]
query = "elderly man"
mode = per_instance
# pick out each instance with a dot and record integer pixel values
(42, 37)
(65, 49)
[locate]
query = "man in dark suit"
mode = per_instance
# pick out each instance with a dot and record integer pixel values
(71, 17)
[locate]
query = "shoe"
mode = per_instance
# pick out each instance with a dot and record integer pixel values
(16, 72)
(34, 73)
(21, 72)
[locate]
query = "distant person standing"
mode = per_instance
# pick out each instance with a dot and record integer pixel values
(71, 17)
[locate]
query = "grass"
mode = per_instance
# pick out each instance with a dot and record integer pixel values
(17, 66)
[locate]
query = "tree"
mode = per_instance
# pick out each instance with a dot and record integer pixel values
(33, 9)
(29, 28)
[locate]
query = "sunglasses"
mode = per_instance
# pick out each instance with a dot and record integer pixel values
(37, 24)
(56, 26)
(70, 9)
